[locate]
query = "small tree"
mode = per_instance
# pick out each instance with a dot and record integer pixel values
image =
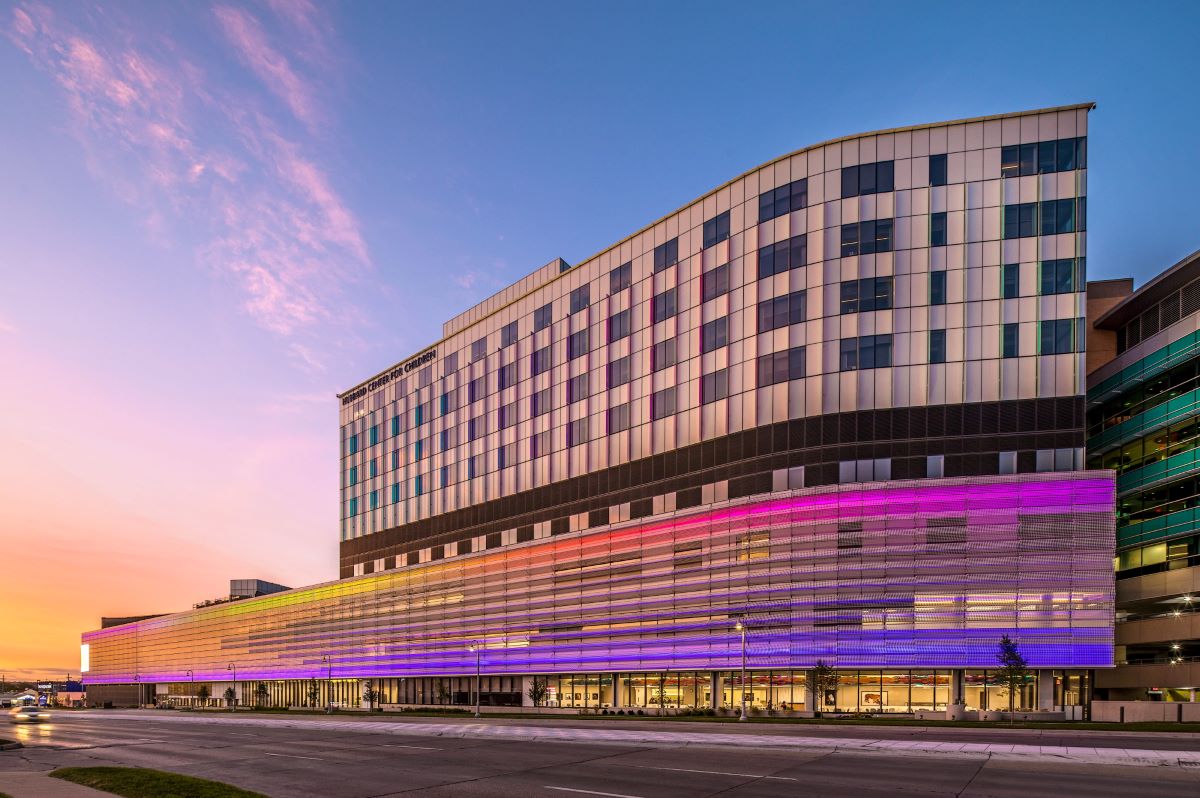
(261, 694)
(314, 692)
(230, 696)
(203, 694)
(1013, 667)
(370, 694)
(824, 678)
(443, 695)
(537, 691)
(660, 697)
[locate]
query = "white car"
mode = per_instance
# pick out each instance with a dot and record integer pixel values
(29, 715)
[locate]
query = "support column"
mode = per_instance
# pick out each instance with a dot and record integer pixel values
(715, 699)
(813, 700)
(956, 709)
(1045, 690)
(618, 689)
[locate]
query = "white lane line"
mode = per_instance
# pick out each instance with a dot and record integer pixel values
(417, 747)
(243, 734)
(592, 792)
(717, 773)
(294, 756)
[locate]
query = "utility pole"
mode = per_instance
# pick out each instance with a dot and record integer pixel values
(741, 627)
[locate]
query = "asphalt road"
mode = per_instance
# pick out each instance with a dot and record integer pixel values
(332, 762)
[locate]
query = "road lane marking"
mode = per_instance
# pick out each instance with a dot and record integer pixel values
(294, 756)
(717, 773)
(592, 792)
(417, 747)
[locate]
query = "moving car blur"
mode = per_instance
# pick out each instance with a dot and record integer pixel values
(29, 715)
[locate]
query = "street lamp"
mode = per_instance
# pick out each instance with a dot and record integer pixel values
(478, 650)
(192, 676)
(328, 685)
(741, 627)
(233, 667)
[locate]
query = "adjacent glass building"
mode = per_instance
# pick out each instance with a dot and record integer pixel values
(839, 400)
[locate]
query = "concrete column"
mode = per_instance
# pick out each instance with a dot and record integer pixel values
(1045, 690)
(618, 691)
(812, 699)
(716, 691)
(957, 680)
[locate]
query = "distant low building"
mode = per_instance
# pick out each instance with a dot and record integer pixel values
(18, 698)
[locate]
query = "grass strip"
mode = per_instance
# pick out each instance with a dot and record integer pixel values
(147, 783)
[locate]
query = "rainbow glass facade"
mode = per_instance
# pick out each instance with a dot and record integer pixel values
(922, 574)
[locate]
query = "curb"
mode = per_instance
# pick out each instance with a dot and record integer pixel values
(10, 746)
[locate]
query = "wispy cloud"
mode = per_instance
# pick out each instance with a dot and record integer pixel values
(205, 159)
(6, 327)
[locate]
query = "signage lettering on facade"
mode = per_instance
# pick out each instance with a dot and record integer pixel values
(379, 382)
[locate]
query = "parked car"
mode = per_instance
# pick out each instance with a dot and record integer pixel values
(29, 715)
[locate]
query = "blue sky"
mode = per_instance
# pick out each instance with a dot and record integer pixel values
(215, 216)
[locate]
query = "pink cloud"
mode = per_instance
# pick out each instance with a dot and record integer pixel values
(249, 40)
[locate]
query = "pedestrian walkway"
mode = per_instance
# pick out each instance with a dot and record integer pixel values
(37, 784)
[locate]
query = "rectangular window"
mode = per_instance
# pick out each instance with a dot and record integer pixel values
(475, 428)
(782, 311)
(543, 316)
(937, 288)
(618, 325)
(662, 355)
(353, 478)
(1061, 336)
(540, 361)
(714, 386)
(937, 170)
(1061, 155)
(716, 229)
(451, 364)
(541, 402)
(1058, 216)
(1010, 280)
(1019, 220)
(418, 450)
(785, 199)
(937, 229)
(937, 346)
(508, 334)
(577, 388)
(618, 418)
(479, 349)
(868, 178)
(476, 389)
(352, 444)
(508, 376)
(714, 334)
(783, 256)
(446, 403)
(419, 415)
(619, 371)
(373, 434)
(507, 415)
(1063, 276)
(395, 426)
(666, 255)
(781, 366)
(374, 467)
(395, 493)
(374, 499)
(866, 238)
(577, 344)
(539, 445)
(865, 352)
(662, 404)
(869, 293)
(577, 432)
(506, 456)
(581, 297)
(353, 506)
(620, 278)
(714, 283)
(1010, 341)
(662, 306)
(395, 458)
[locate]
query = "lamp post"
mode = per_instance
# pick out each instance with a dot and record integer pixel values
(328, 685)
(741, 627)
(233, 667)
(192, 676)
(477, 649)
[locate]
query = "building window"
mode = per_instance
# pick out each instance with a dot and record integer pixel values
(714, 283)
(506, 456)
(783, 256)
(446, 402)
(577, 344)
(662, 355)
(1064, 276)
(618, 418)
(1007, 463)
(937, 288)
(937, 170)
(353, 507)
(508, 376)
(618, 325)
(1010, 341)
(1062, 155)
(541, 402)
(716, 229)
(479, 349)
(507, 415)
(539, 445)
(476, 389)
(1062, 216)
(865, 352)
(619, 371)
(395, 493)
(581, 297)
(935, 466)
(373, 434)
(418, 487)
(577, 388)
(475, 428)
(374, 467)
(937, 346)
(475, 466)
(451, 364)
(540, 361)
(869, 293)
(419, 415)
(880, 469)
(666, 255)
(782, 311)
(620, 278)
(662, 306)
(395, 426)
(937, 229)
(868, 178)
(865, 238)
(577, 432)
(1010, 280)
(353, 478)
(418, 450)
(352, 444)
(1060, 336)
(543, 316)
(714, 334)
(1019, 220)
(781, 366)
(714, 386)
(785, 199)
(508, 334)
(662, 404)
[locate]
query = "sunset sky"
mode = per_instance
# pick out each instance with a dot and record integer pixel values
(214, 217)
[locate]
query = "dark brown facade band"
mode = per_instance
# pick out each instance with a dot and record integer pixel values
(969, 437)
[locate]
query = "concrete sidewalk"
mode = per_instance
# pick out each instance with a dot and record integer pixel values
(38, 784)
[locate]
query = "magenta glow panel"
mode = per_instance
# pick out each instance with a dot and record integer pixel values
(915, 574)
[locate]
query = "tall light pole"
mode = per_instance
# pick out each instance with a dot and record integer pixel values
(233, 667)
(478, 651)
(741, 627)
(192, 676)
(328, 685)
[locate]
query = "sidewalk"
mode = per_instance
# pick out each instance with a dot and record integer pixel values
(37, 784)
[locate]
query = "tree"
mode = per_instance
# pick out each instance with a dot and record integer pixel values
(230, 696)
(824, 679)
(661, 694)
(203, 694)
(314, 692)
(443, 695)
(261, 694)
(1013, 667)
(537, 691)
(370, 694)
